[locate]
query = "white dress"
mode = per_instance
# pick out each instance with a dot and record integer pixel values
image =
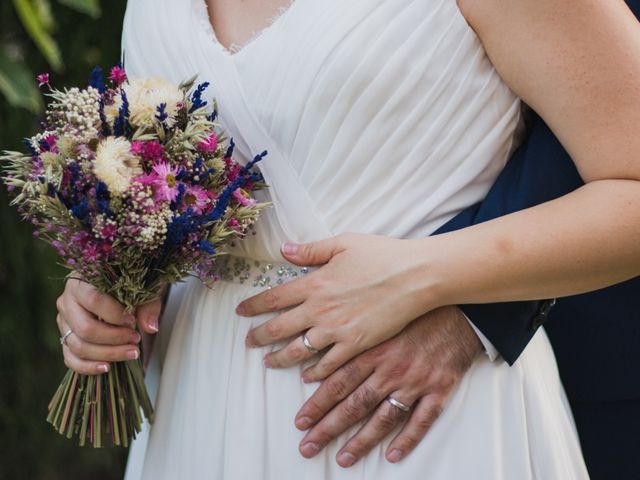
(380, 116)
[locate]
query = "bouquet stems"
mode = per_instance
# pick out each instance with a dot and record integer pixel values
(102, 410)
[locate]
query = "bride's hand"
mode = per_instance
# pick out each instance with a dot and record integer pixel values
(368, 290)
(102, 331)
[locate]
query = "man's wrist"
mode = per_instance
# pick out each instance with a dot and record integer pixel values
(487, 346)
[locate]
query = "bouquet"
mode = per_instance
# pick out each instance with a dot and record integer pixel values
(130, 182)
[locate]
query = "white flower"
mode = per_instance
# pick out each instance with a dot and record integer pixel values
(115, 165)
(144, 96)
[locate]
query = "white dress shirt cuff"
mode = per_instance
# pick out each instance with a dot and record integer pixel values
(491, 351)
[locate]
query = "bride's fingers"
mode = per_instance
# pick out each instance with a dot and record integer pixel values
(103, 306)
(384, 420)
(84, 367)
(92, 330)
(278, 298)
(339, 355)
(279, 328)
(426, 412)
(350, 411)
(101, 353)
(296, 351)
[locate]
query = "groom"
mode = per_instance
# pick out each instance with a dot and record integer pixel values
(596, 337)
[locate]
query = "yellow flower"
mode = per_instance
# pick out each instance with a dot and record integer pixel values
(145, 95)
(115, 165)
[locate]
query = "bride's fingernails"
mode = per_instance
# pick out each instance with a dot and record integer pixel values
(153, 323)
(267, 363)
(132, 354)
(248, 341)
(240, 310)
(103, 367)
(290, 248)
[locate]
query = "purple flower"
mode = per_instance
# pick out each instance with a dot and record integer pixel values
(43, 79)
(197, 199)
(164, 180)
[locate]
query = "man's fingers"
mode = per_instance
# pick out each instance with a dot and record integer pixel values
(332, 391)
(384, 420)
(92, 330)
(278, 298)
(425, 414)
(286, 325)
(101, 305)
(339, 355)
(349, 412)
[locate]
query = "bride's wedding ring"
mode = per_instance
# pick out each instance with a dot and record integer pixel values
(398, 404)
(307, 344)
(63, 338)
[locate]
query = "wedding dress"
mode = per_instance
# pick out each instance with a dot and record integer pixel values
(379, 116)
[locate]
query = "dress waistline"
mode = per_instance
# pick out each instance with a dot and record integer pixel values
(247, 271)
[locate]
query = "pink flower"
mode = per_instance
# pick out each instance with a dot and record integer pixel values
(43, 79)
(197, 199)
(151, 151)
(109, 231)
(90, 252)
(234, 224)
(209, 145)
(49, 144)
(118, 76)
(165, 182)
(243, 199)
(233, 169)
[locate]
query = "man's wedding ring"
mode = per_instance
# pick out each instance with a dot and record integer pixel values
(307, 343)
(398, 404)
(63, 338)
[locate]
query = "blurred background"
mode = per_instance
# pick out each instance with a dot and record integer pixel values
(66, 38)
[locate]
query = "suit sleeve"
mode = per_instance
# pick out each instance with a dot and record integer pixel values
(539, 171)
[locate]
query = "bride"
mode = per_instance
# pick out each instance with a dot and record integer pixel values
(380, 117)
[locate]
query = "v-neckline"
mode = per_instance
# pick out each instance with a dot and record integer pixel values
(253, 39)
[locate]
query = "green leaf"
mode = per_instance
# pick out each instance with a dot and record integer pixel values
(39, 26)
(18, 84)
(88, 7)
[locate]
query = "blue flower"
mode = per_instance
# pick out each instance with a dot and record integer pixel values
(27, 143)
(106, 129)
(196, 97)
(162, 114)
(121, 125)
(180, 228)
(97, 79)
(81, 210)
(207, 247)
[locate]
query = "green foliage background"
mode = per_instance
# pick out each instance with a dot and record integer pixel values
(66, 38)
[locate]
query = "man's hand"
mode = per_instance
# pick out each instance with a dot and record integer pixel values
(420, 367)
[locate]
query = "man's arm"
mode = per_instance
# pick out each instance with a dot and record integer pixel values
(539, 171)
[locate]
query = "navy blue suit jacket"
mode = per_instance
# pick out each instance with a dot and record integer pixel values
(596, 337)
